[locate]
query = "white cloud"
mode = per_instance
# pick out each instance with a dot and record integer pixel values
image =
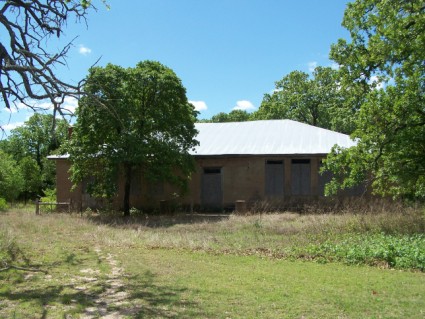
(199, 105)
(244, 105)
(70, 104)
(84, 50)
(312, 65)
(11, 126)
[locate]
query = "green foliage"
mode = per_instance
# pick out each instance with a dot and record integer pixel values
(387, 52)
(32, 176)
(11, 179)
(395, 251)
(30, 144)
(3, 204)
(233, 116)
(315, 101)
(135, 118)
(49, 195)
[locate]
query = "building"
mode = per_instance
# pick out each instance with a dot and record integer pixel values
(274, 160)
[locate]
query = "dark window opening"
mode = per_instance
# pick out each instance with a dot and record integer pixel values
(274, 162)
(212, 170)
(300, 161)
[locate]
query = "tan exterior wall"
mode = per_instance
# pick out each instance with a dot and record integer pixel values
(64, 185)
(242, 178)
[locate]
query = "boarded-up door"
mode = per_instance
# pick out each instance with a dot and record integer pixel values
(300, 177)
(274, 178)
(211, 195)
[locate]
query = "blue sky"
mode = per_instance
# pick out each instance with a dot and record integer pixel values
(228, 53)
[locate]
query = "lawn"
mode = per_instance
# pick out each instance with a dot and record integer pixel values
(263, 266)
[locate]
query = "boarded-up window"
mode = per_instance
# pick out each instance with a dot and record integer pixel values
(211, 187)
(274, 178)
(300, 177)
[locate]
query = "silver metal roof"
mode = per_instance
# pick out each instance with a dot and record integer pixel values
(271, 137)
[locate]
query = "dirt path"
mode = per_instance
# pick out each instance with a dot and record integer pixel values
(113, 303)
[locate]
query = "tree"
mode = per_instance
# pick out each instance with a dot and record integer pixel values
(232, 116)
(36, 139)
(314, 101)
(27, 68)
(11, 179)
(32, 178)
(135, 118)
(386, 50)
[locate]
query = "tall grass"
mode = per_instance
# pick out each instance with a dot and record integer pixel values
(376, 234)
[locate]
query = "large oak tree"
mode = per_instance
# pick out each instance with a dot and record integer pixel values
(386, 48)
(132, 118)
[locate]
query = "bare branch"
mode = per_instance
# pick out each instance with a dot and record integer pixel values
(26, 67)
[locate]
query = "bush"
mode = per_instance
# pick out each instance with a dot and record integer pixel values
(394, 251)
(49, 197)
(3, 204)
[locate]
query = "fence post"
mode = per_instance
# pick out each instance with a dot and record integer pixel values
(37, 206)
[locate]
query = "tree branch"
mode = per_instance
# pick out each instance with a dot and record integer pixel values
(26, 67)
(22, 268)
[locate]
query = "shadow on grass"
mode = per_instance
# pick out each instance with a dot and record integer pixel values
(38, 301)
(157, 301)
(145, 299)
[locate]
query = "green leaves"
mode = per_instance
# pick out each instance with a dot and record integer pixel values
(395, 251)
(134, 118)
(387, 49)
(11, 179)
(316, 101)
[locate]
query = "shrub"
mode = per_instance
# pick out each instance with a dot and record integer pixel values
(3, 204)
(395, 251)
(49, 197)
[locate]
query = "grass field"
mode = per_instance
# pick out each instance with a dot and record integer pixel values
(260, 266)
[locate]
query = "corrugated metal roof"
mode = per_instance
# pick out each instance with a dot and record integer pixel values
(270, 137)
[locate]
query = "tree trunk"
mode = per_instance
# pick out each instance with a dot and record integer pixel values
(127, 187)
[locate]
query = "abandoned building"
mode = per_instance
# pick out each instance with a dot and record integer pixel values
(254, 161)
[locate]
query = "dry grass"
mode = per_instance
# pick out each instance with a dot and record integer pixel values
(278, 233)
